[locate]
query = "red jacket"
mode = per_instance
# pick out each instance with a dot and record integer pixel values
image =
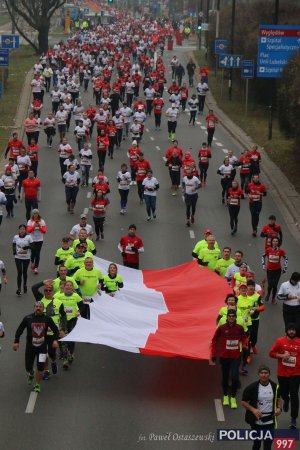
(14, 148)
(141, 168)
(230, 338)
(269, 232)
(204, 155)
(158, 104)
(256, 192)
(274, 258)
(234, 196)
(131, 246)
(30, 187)
(102, 143)
(289, 366)
(211, 120)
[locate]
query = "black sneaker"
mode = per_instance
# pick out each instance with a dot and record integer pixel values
(54, 368)
(25, 289)
(18, 293)
(293, 425)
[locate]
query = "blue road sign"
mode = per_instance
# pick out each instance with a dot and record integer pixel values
(221, 46)
(230, 61)
(4, 57)
(247, 68)
(276, 44)
(10, 41)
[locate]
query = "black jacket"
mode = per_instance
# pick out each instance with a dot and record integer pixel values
(250, 395)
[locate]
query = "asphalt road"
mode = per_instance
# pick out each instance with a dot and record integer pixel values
(112, 399)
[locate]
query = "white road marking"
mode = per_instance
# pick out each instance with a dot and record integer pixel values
(31, 403)
(224, 150)
(88, 195)
(219, 144)
(152, 138)
(192, 234)
(214, 139)
(157, 147)
(198, 123)
(203, 127)
(183, 198)
(219, 410)
(85, 211)
(90, 180)
(147, 129)
(164, 158)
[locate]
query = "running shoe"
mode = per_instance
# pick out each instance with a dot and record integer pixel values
(293, 425)
(46, 375)
(226, 400)
(18, 293)
(30, 379)
(233, 403)
(37, 388)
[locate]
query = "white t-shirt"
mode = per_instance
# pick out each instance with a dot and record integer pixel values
(125, 179)
(36, 234)
(286, 289)
(190, 184)
(150, 183)
(71, 178)
(84, 157)
(21, 242)
(265, 402)
(76, 228)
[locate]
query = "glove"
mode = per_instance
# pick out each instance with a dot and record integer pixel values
(136, 250)
(123, 254)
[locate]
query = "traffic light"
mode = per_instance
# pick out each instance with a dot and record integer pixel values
(199, 27)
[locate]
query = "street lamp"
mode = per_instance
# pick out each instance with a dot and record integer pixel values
(231, 49)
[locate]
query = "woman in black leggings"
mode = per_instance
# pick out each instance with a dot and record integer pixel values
(22, 243)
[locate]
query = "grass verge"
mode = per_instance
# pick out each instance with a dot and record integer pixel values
(4, 19)
(21, 61)
(255, 124)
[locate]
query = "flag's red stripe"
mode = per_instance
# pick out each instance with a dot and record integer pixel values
(193, 297)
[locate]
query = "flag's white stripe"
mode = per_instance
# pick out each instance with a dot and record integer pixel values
(126, 320)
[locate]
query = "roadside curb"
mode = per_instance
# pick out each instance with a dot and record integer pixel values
(282, 191)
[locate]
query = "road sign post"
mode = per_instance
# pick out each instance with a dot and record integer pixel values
(276, 45)
(227, 61)
(4, 57)
(10, 41)
(247, 73)
(220, 49)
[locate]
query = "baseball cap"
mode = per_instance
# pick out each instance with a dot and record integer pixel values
(134, 142)
(65, 239)
(207, 231)
(242, 285)
(35, 211)
(83, 216)
(8, 168)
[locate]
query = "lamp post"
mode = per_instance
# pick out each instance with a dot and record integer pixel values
(231, 49)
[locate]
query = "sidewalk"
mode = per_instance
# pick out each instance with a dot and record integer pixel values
(282, 191)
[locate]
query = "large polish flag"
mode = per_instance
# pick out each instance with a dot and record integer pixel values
(167, 312)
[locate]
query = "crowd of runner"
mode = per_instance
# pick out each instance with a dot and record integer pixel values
(124, 67)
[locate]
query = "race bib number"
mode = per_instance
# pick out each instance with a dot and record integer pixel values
(42, 357)
(232, 344)
(290, 361)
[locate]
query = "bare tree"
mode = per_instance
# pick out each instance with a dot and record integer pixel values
(37, 14)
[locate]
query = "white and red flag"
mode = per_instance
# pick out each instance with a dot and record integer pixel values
(166, 312)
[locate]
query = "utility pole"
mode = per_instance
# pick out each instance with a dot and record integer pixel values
(273, 80)
(231, 49)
